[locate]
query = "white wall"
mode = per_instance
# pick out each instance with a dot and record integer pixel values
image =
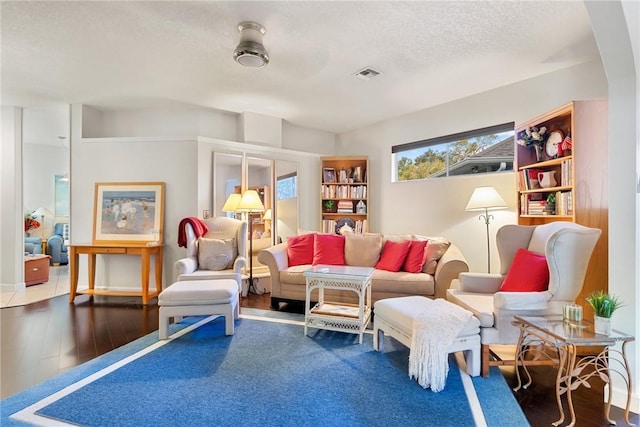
(436, 206)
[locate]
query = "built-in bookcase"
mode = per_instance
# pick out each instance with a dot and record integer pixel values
(345, 194)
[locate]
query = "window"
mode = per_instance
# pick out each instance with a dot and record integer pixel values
(286, 186)
(486, 150)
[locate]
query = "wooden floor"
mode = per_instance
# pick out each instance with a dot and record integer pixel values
(43, 339)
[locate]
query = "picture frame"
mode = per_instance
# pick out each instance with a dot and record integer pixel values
(328, 175)
(128, 212)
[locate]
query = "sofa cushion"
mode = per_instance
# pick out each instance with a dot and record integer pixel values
(415, 257)
(300, 249)
(393, 255)
(362, 249)
(393, 283)
(215, 254)
(529, 272)
(436, 247)
(328, 249)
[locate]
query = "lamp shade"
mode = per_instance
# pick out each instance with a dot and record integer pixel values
(231, 205)
(250, 202)
(485, 198)
(42, 212)
(267, 215)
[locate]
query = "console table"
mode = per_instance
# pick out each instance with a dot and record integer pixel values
(144, 250)
(566, 337)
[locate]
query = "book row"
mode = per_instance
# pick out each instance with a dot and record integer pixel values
(344, 192)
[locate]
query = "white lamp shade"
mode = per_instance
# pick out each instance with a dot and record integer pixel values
(485, 198)
(250, 202)
(231, 205)
(42, 212)
(267, 215)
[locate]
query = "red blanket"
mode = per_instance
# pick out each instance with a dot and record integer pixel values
(199, 227)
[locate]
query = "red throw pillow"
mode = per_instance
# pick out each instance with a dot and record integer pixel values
(529, 272)
(328, 249)
(393, 255)
(415, 257)
(300, 249)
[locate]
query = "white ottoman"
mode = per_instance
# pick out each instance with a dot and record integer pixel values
(394, 317)
(197, 298)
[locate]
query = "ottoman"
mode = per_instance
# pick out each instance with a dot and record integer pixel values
(394, 317)
(197, 298)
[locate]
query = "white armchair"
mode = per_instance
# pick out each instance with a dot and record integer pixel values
(222, 229)
(567, 247)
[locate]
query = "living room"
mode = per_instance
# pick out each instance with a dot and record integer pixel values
(176, 145)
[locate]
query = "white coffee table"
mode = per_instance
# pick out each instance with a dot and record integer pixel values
(334, 316)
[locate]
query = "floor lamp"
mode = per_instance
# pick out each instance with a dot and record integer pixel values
(486, 199)
(250, 203)
(231, 205)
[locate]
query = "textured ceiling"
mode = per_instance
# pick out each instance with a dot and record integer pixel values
(122, 54)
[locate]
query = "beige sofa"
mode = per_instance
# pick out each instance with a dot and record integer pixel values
(288, 283)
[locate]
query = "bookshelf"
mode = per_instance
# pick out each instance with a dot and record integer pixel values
(344, 194)
(581, 183)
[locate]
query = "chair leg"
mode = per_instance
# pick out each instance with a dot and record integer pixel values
(485, 360)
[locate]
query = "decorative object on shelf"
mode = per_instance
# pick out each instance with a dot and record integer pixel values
(533, 137)
(567, 145)
(550, 207)
(572, 312)
(345, 225)
(42, 212)
(329, 175)
(553, 145)
(486, 199)
(361, 207)
(547, 179)
(603, 305)
(328, 206)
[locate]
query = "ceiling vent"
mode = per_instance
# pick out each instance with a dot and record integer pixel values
(367, 73)
(250, 52)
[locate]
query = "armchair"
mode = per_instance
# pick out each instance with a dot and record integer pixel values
(221, 229)
(56, 246)
(567, 247)
(33, 245)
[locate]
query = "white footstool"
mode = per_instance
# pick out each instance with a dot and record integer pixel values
(394, 317)
(197, 298)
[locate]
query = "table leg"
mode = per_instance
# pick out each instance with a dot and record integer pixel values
(629, 388)
(92, 271)
(563, 362)
(73, 267)
(158, 270)
(145, 276)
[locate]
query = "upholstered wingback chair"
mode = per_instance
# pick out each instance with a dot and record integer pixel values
(567, 247)
(56, 246)
(218, 254)
(33, 245)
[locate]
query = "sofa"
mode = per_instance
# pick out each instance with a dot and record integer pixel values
(56, 246)
(33, 245)
(439, 263)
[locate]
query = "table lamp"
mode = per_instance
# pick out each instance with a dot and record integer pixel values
(231, 205)
(42, 212)
(486, 199)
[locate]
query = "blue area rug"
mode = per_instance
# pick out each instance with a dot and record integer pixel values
(267, 374)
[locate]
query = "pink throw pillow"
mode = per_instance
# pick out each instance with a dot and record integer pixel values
(415, 257)
(529, 272)
(300, 249)
(328, 249)
(393, 255)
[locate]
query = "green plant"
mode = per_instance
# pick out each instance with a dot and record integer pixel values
(603, 304)
(329, 205)
(551, 199)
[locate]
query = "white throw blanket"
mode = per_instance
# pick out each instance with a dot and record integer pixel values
(433, 333)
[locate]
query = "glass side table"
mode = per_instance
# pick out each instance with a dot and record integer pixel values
(566, 338)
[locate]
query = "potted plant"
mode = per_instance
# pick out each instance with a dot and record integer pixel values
(603, 305)
(550, 207)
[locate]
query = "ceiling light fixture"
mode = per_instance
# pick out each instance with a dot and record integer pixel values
(250, 52)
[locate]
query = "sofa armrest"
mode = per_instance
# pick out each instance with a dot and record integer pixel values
(239, 264)
(448, 268)
(275, 257)
(55, 245)
(482, 283)
(186, 265)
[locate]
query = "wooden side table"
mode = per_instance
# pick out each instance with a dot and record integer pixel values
(143, 250)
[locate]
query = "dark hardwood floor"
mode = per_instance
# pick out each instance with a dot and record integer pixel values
(43, 339)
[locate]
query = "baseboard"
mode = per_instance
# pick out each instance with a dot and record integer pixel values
(619, 397)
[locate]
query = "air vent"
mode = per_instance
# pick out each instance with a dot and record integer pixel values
(367, 73)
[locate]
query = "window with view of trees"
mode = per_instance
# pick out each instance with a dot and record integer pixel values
(486, 150)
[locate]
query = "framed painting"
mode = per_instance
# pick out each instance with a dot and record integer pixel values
(128, 212)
